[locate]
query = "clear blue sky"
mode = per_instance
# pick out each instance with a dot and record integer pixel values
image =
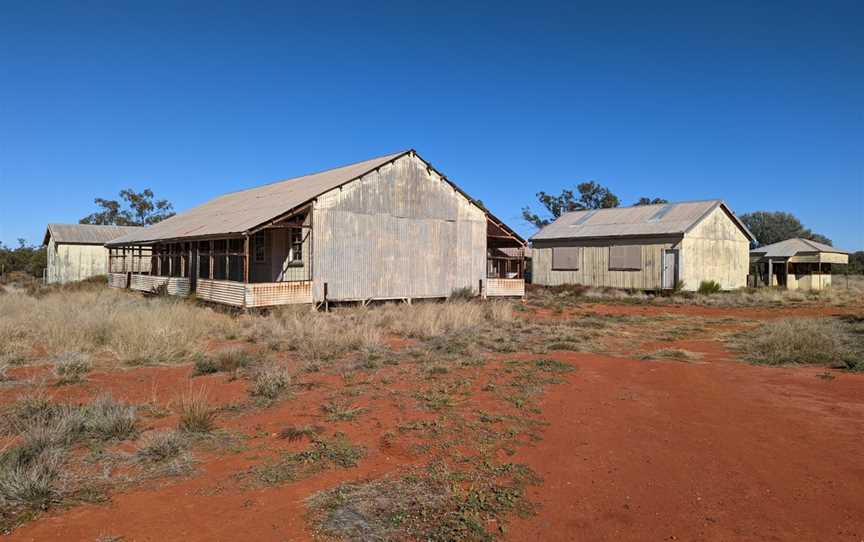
(762, 105)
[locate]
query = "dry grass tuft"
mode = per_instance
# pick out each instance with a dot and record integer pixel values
(71, 367)
(196, 414)
(823, 341)
(162, 446)
(270, 381)
(230, 360)
(108, 419)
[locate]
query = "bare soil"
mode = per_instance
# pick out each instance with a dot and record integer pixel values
(632, 449)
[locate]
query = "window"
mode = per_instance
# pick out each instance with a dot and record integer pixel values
(625, 258)
(296, 240)
(260, 247)
(203, 260)
(566, 258)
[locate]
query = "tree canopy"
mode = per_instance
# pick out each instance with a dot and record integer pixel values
(648, 201)
(771, 227)
(141, 209)
(26, 258)
(592, 195)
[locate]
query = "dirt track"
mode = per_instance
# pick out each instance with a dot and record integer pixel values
(714, 451)
(634, 450)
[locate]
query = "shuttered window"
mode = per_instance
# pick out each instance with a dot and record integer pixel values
(625, 258)
(566, 258)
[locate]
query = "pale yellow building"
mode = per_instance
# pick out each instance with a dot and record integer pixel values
(645, 247)
(796, 264)
(77, 251)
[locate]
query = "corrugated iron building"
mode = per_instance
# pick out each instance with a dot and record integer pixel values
(796, 264)
(646, 247)
(391, 227)
(77, 251)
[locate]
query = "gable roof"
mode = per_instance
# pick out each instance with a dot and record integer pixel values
(239, 212)
(86, 234)
(791, 247)
(640, 220)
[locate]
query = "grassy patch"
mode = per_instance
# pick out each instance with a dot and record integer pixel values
(295, 433)
(822, 341)
(34, 472)
(436, 504)
(71, 367)
(341, 411)
(672, 353)
(324, 454)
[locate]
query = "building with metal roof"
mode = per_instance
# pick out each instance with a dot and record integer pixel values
(645, 247)
(76, 251)
(391, 227)
(796, 264)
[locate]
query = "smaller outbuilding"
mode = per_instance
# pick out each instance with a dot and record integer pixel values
(796, 264)
(76, 251)
(647, 247)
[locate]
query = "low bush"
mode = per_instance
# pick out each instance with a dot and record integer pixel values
(161, 446)
(709, 287)
(270, 381)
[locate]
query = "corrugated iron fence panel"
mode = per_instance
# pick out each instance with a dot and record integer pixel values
(505, 287)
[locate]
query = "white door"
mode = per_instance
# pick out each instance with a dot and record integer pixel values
(670, 269)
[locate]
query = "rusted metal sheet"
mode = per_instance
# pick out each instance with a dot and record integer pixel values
(270, 294)
(505, 287)
(221, 291)
(178, 286)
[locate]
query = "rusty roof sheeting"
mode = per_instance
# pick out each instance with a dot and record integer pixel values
(639, 220)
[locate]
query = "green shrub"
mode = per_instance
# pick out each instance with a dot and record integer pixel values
(709, 287)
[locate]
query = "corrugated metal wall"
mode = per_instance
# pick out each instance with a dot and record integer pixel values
(398, 232)
(594, 266)
(69, 263)
(716, 249)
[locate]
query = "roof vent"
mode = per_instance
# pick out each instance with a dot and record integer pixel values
(662, 212)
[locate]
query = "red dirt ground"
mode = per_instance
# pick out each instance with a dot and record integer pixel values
(634, 450)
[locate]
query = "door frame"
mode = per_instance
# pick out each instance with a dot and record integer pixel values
(663, 268)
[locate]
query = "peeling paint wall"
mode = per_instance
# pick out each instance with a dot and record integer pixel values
(398, 232)
(70, 263)
(715, 249)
